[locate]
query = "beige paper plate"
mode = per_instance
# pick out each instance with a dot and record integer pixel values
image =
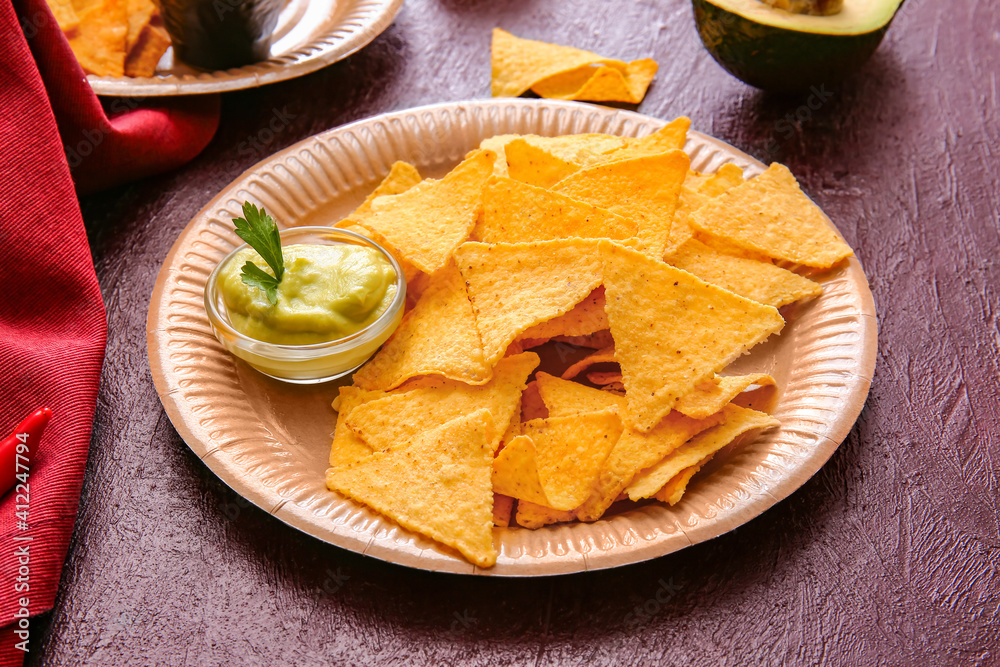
(310, 34)
(270, 441)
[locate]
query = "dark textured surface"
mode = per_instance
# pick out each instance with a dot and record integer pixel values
(889, 555)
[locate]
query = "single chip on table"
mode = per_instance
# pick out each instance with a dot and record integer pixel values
(735, 422)
(514, 286)
(437, 337)
(758, 281)
(515, 212)
(770, 214)
(568, 455)
(519, 63)
(643, 189)
(709, 398)
(600, 83)
(564, 397)
(427, 222)
(535, 166)
(401, 414)
(585, 318)
(438, 485)
(98, 42)
(347, 446)
(673, 490)
(673, 330)
(604, 355)
(634, 452)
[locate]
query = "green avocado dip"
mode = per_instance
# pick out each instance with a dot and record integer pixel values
(327, 292)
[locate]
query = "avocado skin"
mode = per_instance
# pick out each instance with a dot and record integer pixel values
(780, 60)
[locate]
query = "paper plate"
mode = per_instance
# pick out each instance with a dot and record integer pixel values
(270, 441)
(310, 34)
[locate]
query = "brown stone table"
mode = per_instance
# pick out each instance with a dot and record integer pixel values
(889, 555)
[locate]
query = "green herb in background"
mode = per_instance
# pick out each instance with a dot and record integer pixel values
(257, 228)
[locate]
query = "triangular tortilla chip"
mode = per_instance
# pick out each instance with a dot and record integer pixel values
(569, 453)
(515, 471)
(534, 516)
(673, 490)
(673, 136)
(402, 414)
(401, 177)
(515, 212)
(516, 286)
(575, 149)
(147, 49)
(600, 83)
(725, 179)
(98, 42)
(770, 214)
(605, 355)
(710, 397)
(438, 485)
(758, 281)
(437, 337)
(636, 451)
(595, 341)
(535, 166)
(585, 318)
(518, 63)
(427, 222)
(642, 189)
(735, 422)
(347, 446)
(564, 397)
(673, 330)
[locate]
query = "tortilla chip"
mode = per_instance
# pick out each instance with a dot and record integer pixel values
(602, 356)
(400, 415)
(139, 14)
(636, 451)
(532, 406)
(64, 14)
(569, 453)
(427, 222)
(437, 337)
(535, 166)
(515, 471)
(518, 63)
(596, 341)
(673, 136)
(437, 485)
(150, 45)
(515, 212)
(642, 189)
(515, 286)
(709, 398)
(576, 149)
(758, 281)
(503, 507)
(673, 330)
(600, 83)
(602, 378)
(564, 397)
(533, 516)
(347, 446)
(770, 214)
(614, 388)
(99, 40)
(585, 318)
(725, 179)
(735, 422)
(673, 490)
(401, 177)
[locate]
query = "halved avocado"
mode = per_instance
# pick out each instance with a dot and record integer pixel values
(784, 51)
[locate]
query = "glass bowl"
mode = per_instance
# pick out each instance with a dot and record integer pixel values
(318, 362)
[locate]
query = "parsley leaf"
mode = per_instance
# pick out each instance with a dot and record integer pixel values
(255, 276)
(257, 228)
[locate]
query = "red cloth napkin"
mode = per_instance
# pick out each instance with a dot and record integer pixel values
(52, 320)
(134, 137)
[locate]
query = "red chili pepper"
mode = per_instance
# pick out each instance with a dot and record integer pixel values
(19, 448)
